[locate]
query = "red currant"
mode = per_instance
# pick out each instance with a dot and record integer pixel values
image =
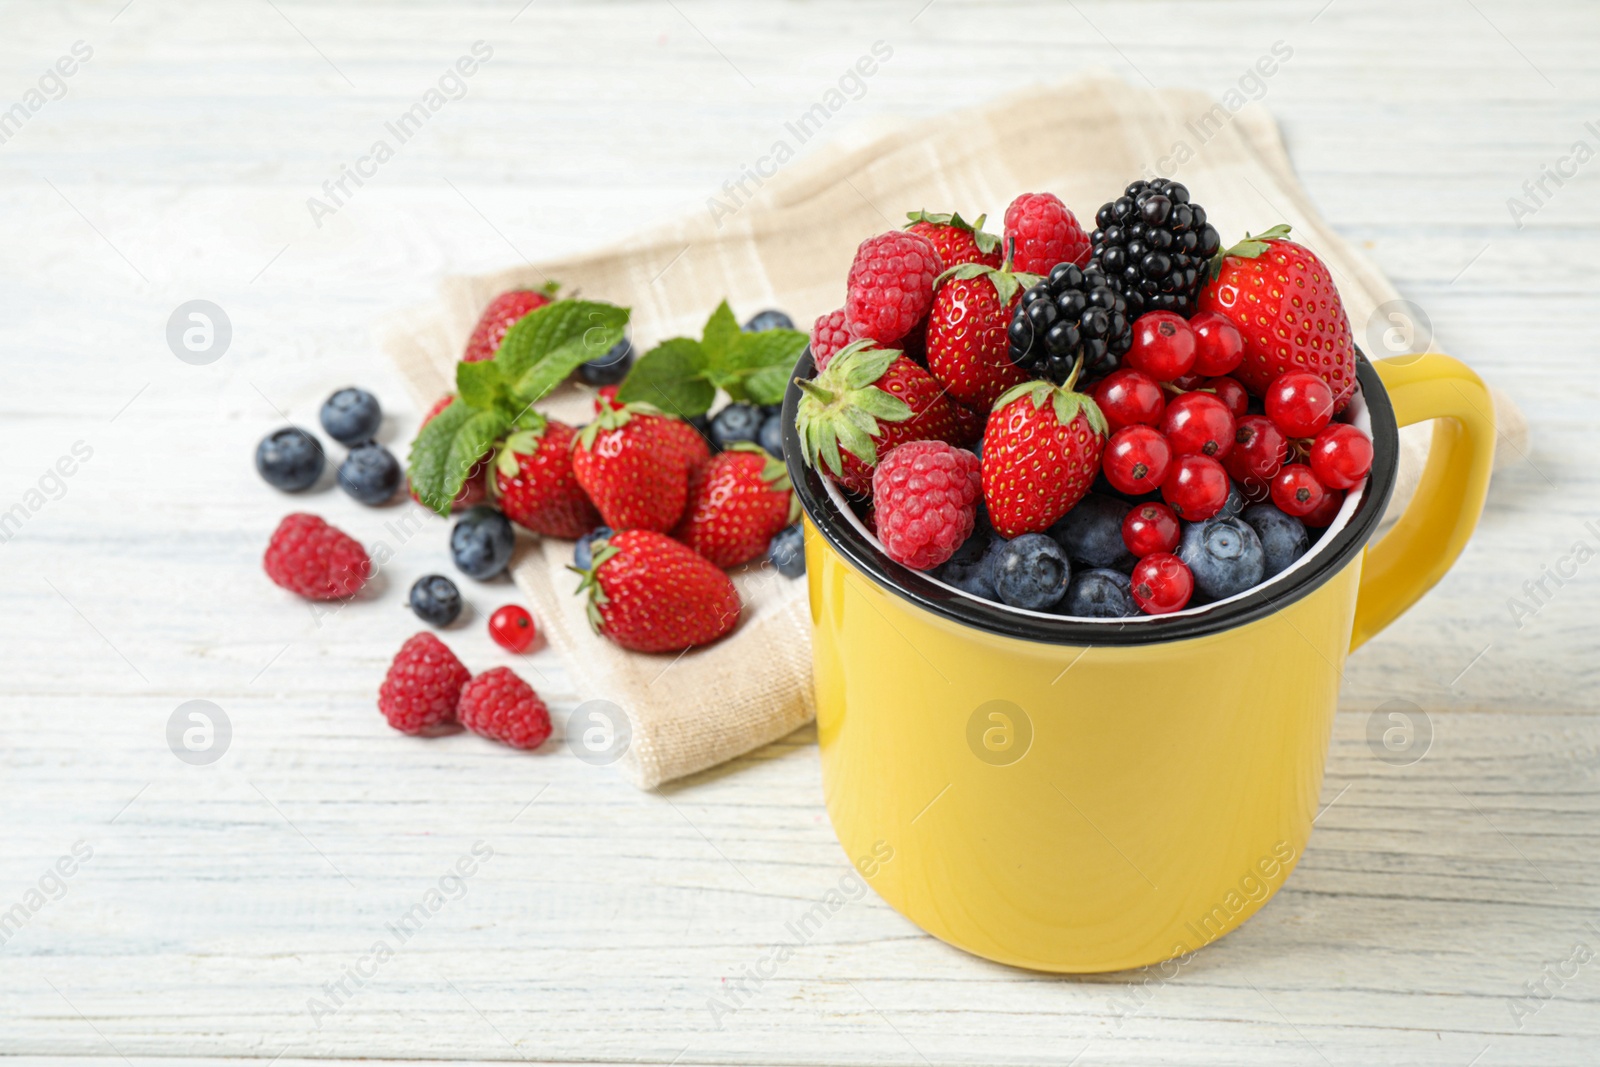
(1196, 487)
(1218, 344)
(1150, 528)
(1300, 403)
(1327, 511)
(1258, 453)
(1129, 398)
(1231, 393)
(1161, 584)
(1188, 382)
(512, 628)
(1163, 346)
(1341, 456)
(1136, 460)
(1198, 424)
(1296, 490)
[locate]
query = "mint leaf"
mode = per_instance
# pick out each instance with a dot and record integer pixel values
(720, 335)
(430, 455)
(573, 332)
(751, 351)
(671, 376)
(767, 385)
(479, 384)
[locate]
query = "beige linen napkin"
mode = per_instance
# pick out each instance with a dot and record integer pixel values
(789, 247)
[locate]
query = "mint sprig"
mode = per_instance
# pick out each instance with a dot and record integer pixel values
(682, 375)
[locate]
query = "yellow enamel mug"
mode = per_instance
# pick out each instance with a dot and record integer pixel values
(1081, 796)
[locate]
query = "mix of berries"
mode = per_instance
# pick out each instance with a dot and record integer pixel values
(1132, 421)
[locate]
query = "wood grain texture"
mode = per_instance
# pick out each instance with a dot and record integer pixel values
(606, 924)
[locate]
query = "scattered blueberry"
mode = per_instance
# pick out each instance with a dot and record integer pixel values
(735, 423)
(436, 600)
(481, 542)
(351, 416)
(771, 319)
(771, 436)
(787, 551)
(583, 551)
(1031, 572)
(1224, 555)
(610, 368)
(1092, 533)
(1099, 593)
(289, 459)
(970, 569)
(370, 473)
(1283, 537)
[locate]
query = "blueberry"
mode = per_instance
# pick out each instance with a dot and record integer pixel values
(610, 368)
(583, 551)
(770, 319)
(436, 600)
(481, 542)
(1236, 501)
(1031, 572)
(971, 568)
(289, 459)
(351, 416)
(735, 423)
(787, 551)
(771, 436)
(370, 473)
(1099, 593)
(702, 425)
(1224, 555)
(1092, 533)
(1283, 537)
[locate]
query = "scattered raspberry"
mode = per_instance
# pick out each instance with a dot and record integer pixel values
(502, 707)
(925, 496)
(312, 559)
(890, 286)
(422, 685)
(1041, 232)
(828, 335)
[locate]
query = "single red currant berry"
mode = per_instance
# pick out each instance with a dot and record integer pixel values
(1163, 346)
(1130, 398)
(1136, 460)
(1231, 393)
(1150, 528)
(1188, 382)
(1259, 450)
(1296, 490)
(1300, 403)
(1162, 584)
(512, 628)
(1327, 511)
(1218, 344)
(1198, 424)
(1341, 456)
(1196, 487)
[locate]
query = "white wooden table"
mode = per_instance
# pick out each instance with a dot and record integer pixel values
(223, 903)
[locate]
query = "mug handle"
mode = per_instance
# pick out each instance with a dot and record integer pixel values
(1434, 528)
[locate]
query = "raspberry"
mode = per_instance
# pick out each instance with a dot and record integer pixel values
(890, 286)
(1041, 232)
(828, 335)
(308, 557)
(925, 495)
(502, 707)
(422, 685)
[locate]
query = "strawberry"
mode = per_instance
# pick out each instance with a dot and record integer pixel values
(1039, 459)
(504, 312)
(648, 593)
(866, 402)
(955, 239)
(634, 469)
(968, 346)
(737, 503)
(535, 486)
(687, 441)
(1282, 299)
(475, 488)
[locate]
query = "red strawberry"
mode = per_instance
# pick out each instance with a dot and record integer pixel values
(868, 401)
(968, 347)
(649, 593)
(312, 559)
(890, 286)
(955, 239)
(535, 486)
(683, 438)
(828, 335)
(1039, 458)
(503, 312)
(475, 489)
(1282, 299)
(737, 502)
(633, 467)
(1041, 232)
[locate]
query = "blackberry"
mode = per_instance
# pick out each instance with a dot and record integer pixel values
(1070, 316)
(1154, 245)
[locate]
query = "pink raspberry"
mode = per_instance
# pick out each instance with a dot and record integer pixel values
(1041, 232)
(422, 686)
(828, 335)
(317, 561)
(925, 496)
(890, 286)
(502, 707)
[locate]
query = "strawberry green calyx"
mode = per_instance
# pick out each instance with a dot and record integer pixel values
(1068, 404)
(612, 417)
(600, 550)
(774, 472)
(1006, 281)
(842, 405)
(1249, 248)
(986, 242)
(523, 442)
